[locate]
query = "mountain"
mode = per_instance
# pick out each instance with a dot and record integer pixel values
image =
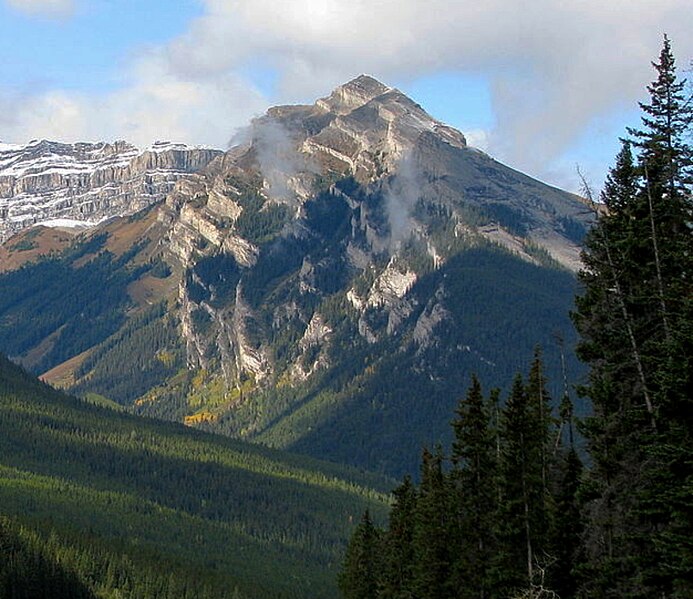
(69, 184)
(328, 285)
(96, 502)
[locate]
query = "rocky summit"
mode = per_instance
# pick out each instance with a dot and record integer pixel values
(58, 183)
(383, 139)
(327, 285)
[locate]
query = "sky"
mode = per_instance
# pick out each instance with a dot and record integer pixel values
(542, 85)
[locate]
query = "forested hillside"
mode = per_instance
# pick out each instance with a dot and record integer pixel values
(483, 310)
(113, 505)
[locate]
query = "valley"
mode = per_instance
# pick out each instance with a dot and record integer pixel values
(126, 504)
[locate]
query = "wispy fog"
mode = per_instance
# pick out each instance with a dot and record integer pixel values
(401, 195)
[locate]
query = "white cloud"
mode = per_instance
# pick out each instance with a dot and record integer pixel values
(154, 105)
(477, 138)
(555, 66)
(51, 8)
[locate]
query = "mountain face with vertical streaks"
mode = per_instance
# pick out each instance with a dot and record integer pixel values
(327, 285)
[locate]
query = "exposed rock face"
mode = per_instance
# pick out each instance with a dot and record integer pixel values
(391, 286)
(389, 145)
(380, 136)
(315, 339)
(45, 180)
(352, 95)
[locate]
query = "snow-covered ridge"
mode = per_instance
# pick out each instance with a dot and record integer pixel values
(53, 157)
(46, 180)
(47, 157)
(168, 146)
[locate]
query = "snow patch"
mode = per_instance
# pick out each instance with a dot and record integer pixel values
(169, 146)
(67, 223)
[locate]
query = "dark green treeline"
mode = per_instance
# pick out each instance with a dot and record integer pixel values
(495, 519)
(97, 502)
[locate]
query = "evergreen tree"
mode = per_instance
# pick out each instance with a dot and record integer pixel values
(634, 317)
(474, 477)
(567, 525)
(524, 512)
(521, 491)
(665, 154)
(607, 319)
(541, 436)
(433, 531)
(397, 578)
(362, 563)
(566, 533)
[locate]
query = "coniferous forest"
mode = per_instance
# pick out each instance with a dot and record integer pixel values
(531, 503)
(99, 503)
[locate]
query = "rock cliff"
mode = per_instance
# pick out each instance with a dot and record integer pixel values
(43, 180)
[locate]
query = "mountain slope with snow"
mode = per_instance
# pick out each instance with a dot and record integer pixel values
(88, 182)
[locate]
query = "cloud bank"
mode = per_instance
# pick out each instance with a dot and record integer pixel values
(555, 67)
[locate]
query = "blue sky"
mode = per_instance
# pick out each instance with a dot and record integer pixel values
(84, 50)
(543, 85)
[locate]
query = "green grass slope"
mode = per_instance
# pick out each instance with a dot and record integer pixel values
(129, 507)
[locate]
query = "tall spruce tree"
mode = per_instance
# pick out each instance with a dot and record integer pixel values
(398, 544)
(634, 317)
(607, 319)
(665, 154)
(543, 425)
(433, 532)
(474, 482)
(666, 506)
(522, 514)
(567, 526)
(361, 570)
(567, 529)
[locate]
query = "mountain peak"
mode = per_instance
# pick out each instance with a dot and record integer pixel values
(367, 84)
(353, 94)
